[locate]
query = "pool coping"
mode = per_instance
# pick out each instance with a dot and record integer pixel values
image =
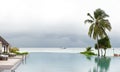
(12, 63)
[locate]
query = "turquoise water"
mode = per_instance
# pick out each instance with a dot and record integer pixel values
(68, 62)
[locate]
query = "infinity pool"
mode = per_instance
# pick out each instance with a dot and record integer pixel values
(68, 62)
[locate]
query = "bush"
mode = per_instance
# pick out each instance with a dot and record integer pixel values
(21, 53)
(88, 52)
(14, 49)
(88, 49)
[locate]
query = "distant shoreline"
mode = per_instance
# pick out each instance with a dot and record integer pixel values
(110, 51)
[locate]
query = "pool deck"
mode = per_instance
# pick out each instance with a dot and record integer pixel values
(10, 63)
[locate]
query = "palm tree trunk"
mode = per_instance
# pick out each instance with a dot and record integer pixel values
(105, 52)
(98, 47)
(101, 52)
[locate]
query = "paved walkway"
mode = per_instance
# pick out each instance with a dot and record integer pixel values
(10, 63)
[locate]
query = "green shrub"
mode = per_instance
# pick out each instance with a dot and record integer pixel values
(14, 49)
(21, 53)
(88, 49)
(24, 53)
(88, 52)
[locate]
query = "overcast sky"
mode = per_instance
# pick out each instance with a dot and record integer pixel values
(54, 23)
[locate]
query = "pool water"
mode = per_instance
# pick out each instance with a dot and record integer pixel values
(68, 62)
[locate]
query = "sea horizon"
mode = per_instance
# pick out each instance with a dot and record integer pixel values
(110, 51)
(60, 47)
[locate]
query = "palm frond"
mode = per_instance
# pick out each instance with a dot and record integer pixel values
(91, 29)
(88, 21)
(90, 16)
(102, 33)
(105, 24)
(95, 33)
(98, 13)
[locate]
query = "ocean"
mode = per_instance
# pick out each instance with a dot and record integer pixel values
(110, 51)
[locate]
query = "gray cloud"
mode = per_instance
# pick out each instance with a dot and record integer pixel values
(53, 23)
(47, 40)
(31, 39)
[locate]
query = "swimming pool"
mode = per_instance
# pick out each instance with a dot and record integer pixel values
(68, 62)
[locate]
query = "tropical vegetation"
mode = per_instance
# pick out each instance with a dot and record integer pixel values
(88, 52)
(98, 27)
(104, 43)
(13, 49)
(16, 51)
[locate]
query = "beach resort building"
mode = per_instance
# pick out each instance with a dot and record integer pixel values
(4, 44)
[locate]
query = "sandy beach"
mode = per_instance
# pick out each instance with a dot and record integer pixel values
(110, 52)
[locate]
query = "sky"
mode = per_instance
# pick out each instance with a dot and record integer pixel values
(54, 23)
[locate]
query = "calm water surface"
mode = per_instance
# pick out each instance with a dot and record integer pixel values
(68, 62)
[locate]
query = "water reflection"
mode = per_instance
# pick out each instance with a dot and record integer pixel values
(88, 57)
(102, 64)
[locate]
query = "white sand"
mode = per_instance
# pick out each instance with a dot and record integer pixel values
(110, 52)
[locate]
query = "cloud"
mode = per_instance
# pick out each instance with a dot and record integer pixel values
(47, 40)
(37, 39)
(53, 23)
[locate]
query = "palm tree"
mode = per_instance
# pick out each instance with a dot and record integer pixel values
(98, 26)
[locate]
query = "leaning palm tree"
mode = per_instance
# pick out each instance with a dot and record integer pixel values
(98, 26)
